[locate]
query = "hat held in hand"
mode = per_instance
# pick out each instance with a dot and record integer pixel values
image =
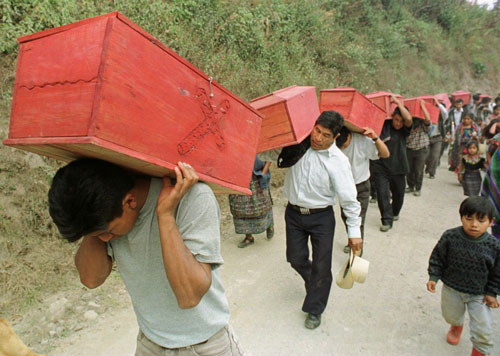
(355, 269)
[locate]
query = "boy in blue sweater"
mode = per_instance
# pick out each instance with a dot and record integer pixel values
(467, 260)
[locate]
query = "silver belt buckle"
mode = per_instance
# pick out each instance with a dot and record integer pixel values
(304, 211)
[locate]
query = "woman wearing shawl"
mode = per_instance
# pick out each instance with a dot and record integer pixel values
(466, 131)
(253, 214)
(491, 190)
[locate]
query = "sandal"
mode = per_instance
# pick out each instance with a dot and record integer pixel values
(246, 242)
(270, 232)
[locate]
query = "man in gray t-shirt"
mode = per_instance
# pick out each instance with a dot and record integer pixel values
(165, 240)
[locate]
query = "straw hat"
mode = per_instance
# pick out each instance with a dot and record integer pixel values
(355, 269)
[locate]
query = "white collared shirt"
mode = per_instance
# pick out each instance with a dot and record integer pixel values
(360, 151)
(457, 116)
(319, 176)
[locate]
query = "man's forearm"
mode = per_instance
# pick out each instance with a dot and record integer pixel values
(189, 279)
(92, 262)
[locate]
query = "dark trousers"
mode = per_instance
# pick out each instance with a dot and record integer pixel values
(416, 162)
(390, 195)
(432, 161)
(363, 197)
(317, 273)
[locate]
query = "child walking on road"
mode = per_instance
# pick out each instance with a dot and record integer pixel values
(469, 169)
(467, 260)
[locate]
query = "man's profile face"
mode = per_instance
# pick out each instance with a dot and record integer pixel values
(397, 121)
(119, 226)
(321, 138)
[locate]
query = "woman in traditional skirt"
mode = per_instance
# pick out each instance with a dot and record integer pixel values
(468, 130)
(253, 214)
(491, 190)
(469, 171)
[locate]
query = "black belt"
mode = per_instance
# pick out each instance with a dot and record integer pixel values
(308, 211)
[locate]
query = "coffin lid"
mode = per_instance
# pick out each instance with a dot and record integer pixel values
(278, 96)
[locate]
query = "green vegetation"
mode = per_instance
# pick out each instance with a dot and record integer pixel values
(252, 48)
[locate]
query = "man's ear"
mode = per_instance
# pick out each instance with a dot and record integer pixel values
(129, 201)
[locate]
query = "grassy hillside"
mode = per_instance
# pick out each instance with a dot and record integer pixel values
(251, 47)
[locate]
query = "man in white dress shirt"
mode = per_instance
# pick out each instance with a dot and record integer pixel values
(360, 148)
(311, 185)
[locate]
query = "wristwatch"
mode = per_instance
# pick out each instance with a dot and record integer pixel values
(375, 139)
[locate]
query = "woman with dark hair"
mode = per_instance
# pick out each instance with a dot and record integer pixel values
(253, 214)
(466, 131)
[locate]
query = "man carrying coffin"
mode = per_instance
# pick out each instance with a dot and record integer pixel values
(165, 240)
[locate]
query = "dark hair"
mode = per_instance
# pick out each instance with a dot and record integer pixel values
(476, 97)
(458, 101)
(397, 111)
(496, 106)
(486, 130)
(497, 99)
(480, 206)
(485, 100)
(331, 120)
(342, 139)
(472, 142)
(86, 195)
(469, 114)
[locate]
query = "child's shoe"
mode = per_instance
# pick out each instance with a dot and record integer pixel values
(453, 336)
(476, 353)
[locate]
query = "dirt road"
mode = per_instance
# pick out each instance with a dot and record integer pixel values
(390, 314)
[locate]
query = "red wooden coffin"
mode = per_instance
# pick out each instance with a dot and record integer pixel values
(443, 99)
(288, 115)
(413, 105)
(353, 106)
(461, 94)
(105, 88)
(383, 100)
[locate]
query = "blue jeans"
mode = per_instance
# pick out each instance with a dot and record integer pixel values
(453, 306)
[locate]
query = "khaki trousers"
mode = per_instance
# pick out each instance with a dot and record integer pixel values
(222, 343)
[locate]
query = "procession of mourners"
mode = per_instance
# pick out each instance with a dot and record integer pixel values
(141, 195)
(164, 234)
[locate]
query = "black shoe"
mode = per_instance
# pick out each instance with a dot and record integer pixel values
(312, 321)
(385, 228)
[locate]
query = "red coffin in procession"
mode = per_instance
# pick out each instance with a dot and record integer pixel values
(443, 98)
(105, 88)
(461, 94)
(353, 106)
(288, 116)
(413, 105)
(383, 100)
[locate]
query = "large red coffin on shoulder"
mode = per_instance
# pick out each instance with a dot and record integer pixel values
(443, 98)
(105, 88)
(288, 116)
(353, 106)
(413, 105)
(383, 100)
(461, 94)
